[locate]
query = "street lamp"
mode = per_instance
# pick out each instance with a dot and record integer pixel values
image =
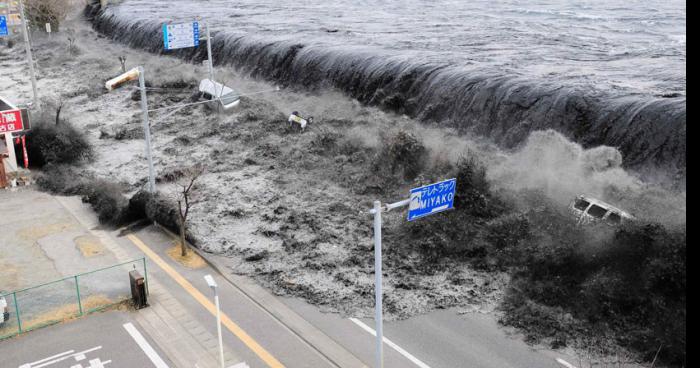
(138, 73)
(212, 284)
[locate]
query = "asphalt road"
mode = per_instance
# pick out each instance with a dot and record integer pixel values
(441, 339)
(95, 341)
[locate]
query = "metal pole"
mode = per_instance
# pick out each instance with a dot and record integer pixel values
(19, 320)
(210, 61)
(30, 60)
(218, 327)
(77, 291)
(378, 282)
(147, 131)
(145, 274)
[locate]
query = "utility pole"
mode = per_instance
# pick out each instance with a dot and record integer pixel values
(147, 131)
(210, 62)
(30, 60)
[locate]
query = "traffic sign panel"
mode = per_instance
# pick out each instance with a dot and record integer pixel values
(180, 35)
(431, 199)
(3, 26)
(11, 121)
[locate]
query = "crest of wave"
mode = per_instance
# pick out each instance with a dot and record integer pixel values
(562, 169)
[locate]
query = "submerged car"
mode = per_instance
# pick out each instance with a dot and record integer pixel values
(223, 96)
(589, 210)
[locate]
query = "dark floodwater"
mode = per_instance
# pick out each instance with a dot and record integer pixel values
(631, 46)
(601, 73)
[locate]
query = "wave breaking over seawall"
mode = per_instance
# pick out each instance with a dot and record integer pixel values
(649, 131)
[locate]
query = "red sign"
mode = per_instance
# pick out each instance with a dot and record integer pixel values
(11, 121)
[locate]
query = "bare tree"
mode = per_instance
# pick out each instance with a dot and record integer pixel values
(40, 12)
(59, 107)
(122, 61)
(185, 201)
(71, 36)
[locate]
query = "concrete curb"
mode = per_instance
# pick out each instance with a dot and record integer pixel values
(309, 334)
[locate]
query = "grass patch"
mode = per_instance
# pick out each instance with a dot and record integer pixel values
(89, 246)
(191, 260)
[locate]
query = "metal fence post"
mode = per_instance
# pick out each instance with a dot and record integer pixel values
(77, 290)
(19, 321)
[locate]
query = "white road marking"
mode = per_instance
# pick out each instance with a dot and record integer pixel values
(565, 363)
(145, 346)
(240, 365)
(46, 359)
(401, 351)
(45, 363)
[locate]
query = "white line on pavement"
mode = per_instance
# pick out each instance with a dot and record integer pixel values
(240, 365)
(49, 358)
(565, 363)
(45, 363)
(401, 351)
(145, 346)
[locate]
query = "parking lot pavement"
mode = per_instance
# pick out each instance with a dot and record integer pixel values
(109, 339)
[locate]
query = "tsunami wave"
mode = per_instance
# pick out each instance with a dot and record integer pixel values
(649, 131)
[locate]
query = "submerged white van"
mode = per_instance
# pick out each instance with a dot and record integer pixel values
(589, 210)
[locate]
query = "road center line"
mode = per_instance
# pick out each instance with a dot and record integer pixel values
(208, 305)
(400, 350)
(145, 346)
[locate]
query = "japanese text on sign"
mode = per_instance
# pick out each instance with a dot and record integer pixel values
(11, 121)
(432, 199)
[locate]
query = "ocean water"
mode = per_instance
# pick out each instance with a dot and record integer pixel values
(636, 47)
(602, 73)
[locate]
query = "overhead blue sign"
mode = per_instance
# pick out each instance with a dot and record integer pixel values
(432, 199)
(3, 26)
(181, 35)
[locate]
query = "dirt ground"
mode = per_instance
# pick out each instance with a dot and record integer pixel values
(289, 207)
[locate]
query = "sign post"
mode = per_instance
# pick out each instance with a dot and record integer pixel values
(30, 60)
(423, 201)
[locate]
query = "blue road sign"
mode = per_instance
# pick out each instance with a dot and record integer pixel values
(3, 26)
(432, 199)
(181, 35)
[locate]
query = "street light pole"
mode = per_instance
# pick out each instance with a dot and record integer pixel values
(378, 283)
(212, 284)
(147, 131)
(378, 310)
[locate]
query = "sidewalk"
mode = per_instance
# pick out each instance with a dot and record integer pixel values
(176, 332)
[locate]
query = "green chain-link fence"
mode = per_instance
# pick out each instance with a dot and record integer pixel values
(73, 296)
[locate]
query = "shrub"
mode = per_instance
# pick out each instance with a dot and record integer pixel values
(40, 12)
(403, 154)
(52, 142)
(105, 197)
(157, 208)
